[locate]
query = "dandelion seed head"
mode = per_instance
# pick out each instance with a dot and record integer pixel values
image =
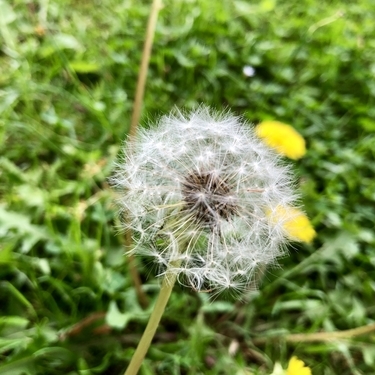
(198, 190)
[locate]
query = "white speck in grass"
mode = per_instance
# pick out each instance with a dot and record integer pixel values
(248, 71)
(197, 190)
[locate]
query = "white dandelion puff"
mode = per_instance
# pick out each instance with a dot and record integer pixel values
(197, 191)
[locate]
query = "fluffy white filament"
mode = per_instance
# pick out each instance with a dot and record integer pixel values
(197, 191)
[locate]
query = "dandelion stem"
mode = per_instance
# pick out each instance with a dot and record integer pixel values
(152, 325)
(156, 6)
(132, 266)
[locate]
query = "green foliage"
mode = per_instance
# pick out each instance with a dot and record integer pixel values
(68, 71)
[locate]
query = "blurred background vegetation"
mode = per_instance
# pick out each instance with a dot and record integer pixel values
(68, 71)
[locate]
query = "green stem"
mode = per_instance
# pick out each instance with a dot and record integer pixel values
(139, 94)
(141, 84)
(152, 325)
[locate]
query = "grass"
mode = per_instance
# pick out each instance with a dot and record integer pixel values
(68, 72)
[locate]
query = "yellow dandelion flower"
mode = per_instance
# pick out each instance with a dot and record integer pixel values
(297, 367)
(295, 223)
(283, 138)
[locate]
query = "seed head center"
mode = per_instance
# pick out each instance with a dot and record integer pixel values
(208, 197)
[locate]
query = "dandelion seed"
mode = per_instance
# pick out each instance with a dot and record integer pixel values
(197, 190)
